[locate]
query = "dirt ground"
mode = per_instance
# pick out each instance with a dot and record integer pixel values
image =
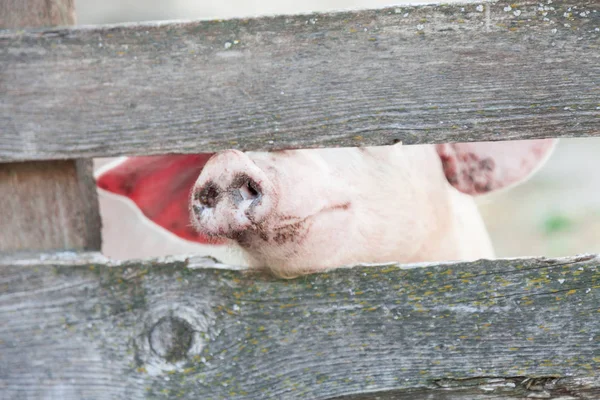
(556, 213)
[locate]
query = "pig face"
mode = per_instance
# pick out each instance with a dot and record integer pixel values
(299, 211)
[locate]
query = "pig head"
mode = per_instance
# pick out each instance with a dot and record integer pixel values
(300, 211)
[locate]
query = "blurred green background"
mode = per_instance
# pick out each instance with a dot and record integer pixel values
(556, 213)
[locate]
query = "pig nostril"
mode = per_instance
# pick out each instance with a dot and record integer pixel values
(249, 190)
(253, 189)
(208, 195)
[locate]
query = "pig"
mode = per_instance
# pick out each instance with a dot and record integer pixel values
(144, 208)
(301, 211)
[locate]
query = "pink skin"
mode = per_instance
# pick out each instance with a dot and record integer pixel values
(301, 211)
(478, 168)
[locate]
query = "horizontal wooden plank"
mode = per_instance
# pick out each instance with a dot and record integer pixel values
(84, 327)
(425, 74)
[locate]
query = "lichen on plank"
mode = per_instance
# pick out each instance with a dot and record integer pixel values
(158, 328)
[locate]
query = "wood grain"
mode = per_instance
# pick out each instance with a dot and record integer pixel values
(48, 205)
(45, 205)
(36, 13)
(81, 326)
(426, 74)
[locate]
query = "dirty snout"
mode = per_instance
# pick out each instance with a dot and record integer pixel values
(232, 195)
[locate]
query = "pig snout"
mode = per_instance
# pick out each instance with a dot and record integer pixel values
(232, 195)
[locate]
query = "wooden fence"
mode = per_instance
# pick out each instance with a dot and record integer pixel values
(75, 325)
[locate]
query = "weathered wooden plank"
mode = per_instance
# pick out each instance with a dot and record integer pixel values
(46, 205)
(82, 327)
(36, 13)
(424, 74)
(49, 205)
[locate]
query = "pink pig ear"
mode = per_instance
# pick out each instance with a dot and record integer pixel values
(482, 167)
(160, 187)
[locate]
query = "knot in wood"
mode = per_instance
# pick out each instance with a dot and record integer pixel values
(171, 338)
(171, 335)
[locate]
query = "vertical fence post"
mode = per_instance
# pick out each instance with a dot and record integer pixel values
(36, 13)
(46, 205)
